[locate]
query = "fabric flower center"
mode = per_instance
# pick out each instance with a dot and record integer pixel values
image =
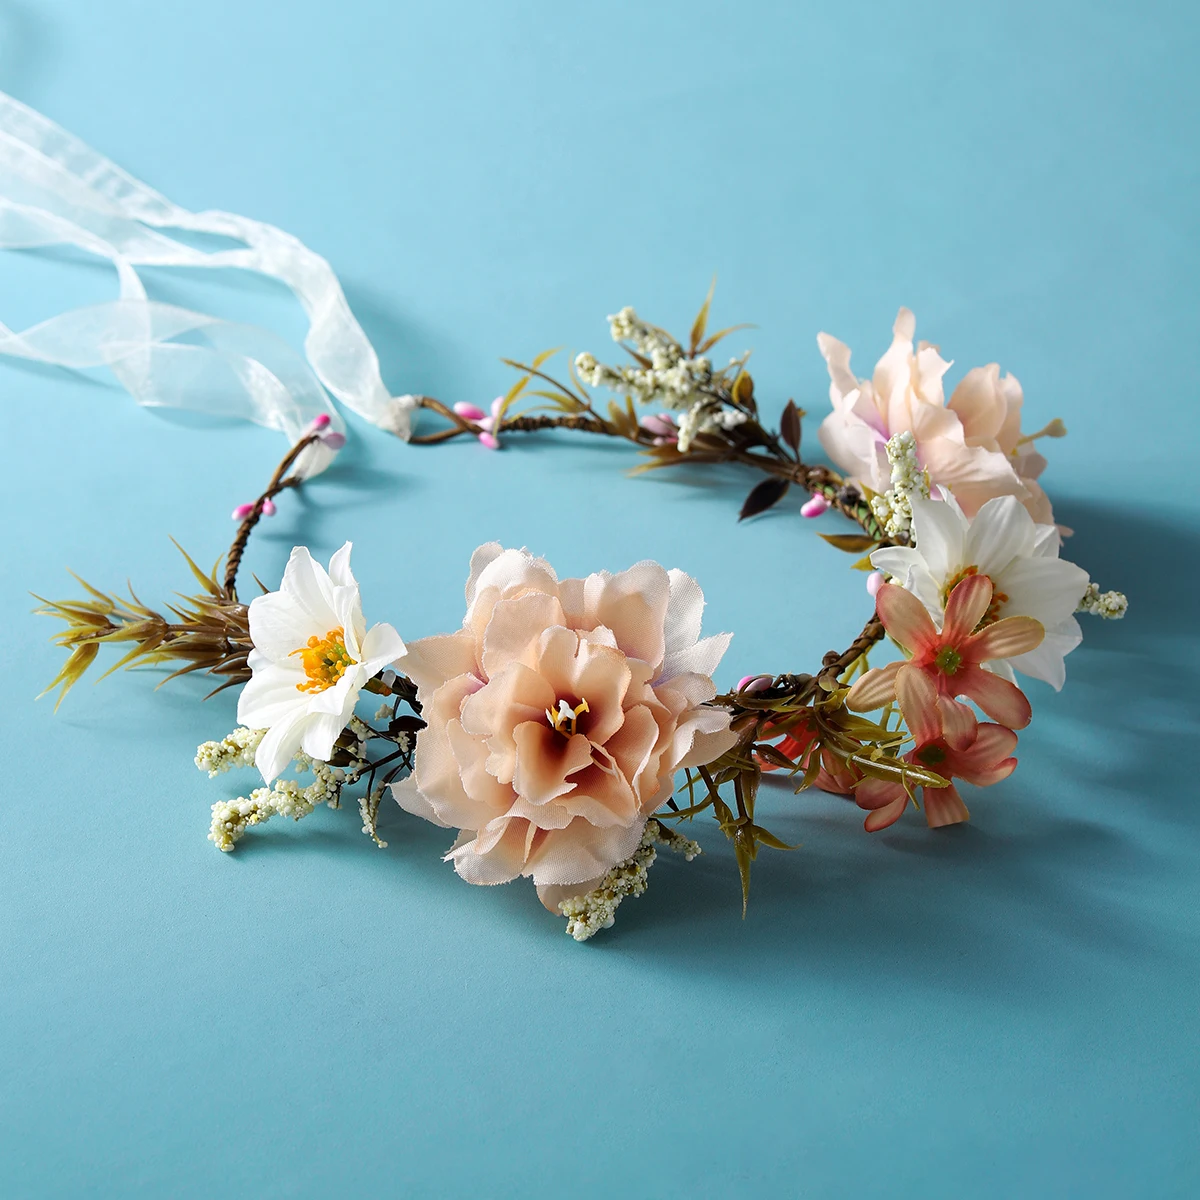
(324, 660)
(565, 718)
(999, 598)
(931, 755)
(947, 660)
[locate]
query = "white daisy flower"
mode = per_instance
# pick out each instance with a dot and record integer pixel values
(1019, 556)
(312, 655)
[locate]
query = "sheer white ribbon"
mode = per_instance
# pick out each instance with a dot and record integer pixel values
(56, 191)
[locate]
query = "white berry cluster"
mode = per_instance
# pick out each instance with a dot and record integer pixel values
(1109, 605)
(672, 379)
(588, 914)
(236, 749)
(893, 510)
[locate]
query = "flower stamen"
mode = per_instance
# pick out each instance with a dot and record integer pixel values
(565, 719)
(324, 660)
(993, 609)
(947, 660)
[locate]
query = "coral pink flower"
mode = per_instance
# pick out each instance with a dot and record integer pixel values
(948, 664)
(558, 716)
(984, 761)
(973, 445)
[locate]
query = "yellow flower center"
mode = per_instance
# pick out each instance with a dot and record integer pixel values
(324, 660)
(993, 609)
(564, 719)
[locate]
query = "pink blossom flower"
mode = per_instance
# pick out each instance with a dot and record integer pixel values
(558, 716)
(985, 760)
(973, 445)
(948, 663)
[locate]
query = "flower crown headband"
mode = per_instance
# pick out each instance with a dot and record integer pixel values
(551, 729)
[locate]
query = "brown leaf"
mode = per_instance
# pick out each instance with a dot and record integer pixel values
(789, 426)
(852, 543)
(743, 391)
(701, 321)
(763, 496)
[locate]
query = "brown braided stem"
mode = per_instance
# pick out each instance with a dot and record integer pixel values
(280, 481)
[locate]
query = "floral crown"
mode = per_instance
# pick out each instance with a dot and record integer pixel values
(571, 727)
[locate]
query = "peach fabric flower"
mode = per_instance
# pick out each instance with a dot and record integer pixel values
(973, 445)
(558, 716)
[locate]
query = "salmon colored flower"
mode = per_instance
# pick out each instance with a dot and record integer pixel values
(948, 663)
(987, 759)
(558, 716)
(972, 445)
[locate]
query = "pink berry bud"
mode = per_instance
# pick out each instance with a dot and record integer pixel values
(242, 512)
(320, 421)
(815, 506)
(333, 439)
(268, 508)
(469, 411)
(659, 424)
(874, 582)
(755, 683)
(490, 441)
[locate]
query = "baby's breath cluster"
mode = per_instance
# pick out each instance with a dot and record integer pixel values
(1109, 605)
(588, 914)
(893, 510)
(664, 374)
(235, 749)
(284, 798)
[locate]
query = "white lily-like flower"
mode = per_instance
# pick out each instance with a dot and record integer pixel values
(1019, 556)
(312, 655)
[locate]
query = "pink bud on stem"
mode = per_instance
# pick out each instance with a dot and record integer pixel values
(874, 582)
(755, 683)
(242, 512)
(815, 506)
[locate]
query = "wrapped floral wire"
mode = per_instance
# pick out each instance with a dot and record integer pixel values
(550, 730)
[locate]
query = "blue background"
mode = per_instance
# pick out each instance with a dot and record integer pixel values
(1003, 1009)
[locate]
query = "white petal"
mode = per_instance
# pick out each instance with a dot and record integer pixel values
(306, 583)
(482, 558)
(339, 568)
(342, 696)
(380, 648)
(279, 743)
(940, 531)
(897, 561)
(271, 695)
(1045, 662)
(279, 626)
(1001, 531)
(1046, 588)
(685, 611)
(700, 659)
(321, 730)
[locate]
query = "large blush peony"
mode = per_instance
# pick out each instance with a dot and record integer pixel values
(558, 716)
(972, 445)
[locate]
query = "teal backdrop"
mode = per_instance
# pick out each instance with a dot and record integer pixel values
(1004, 1009)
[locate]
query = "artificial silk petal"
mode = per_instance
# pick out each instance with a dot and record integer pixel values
(1001, 700)
(905, 618)
(965, 609)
